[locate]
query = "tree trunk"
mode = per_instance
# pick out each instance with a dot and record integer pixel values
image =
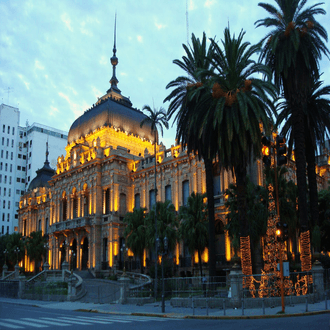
(312, 182)
(200, 261)
(240, 173)
(210, 206)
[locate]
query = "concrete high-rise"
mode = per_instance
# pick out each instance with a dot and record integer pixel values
(22, 151)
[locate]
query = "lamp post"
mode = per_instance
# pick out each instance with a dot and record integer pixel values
(124, 250)
(17, 251)
(5, 253)
(164, 252)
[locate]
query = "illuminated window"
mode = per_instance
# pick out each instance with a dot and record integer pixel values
(185, 192)
(168, 193)
(137, 201)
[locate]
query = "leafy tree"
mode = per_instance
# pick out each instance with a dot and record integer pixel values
(35, 247)
(185, 104)
(241, 102)
(292, 50)
(135, 232)
(324, 207)
(257, 215)
(317, 127)
(193, 228)
(157, 119)
(4, 246)
(16, 249)
(167, 225)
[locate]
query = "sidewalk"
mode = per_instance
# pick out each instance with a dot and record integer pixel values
(154, 309)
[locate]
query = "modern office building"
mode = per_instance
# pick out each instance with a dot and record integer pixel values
(22, 150)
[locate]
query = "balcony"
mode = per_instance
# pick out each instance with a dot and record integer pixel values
(70, 224)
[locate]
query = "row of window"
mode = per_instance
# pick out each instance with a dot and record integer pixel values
(3, 230)
(5, 192)
(5, 179)
(21, 168)
(21, 156)
(6, 167)
(12, 142)
(4, 217)
(4, 205)
(8, 129)
(21, 134)
(7, 154)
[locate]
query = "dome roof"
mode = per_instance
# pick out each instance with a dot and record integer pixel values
(112, 112)
(44, 175)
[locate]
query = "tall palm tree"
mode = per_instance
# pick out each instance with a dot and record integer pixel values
(317, 128)
(193, 226)
(292, 50)
(157, 119)
(183, 104)
(135, 232)
(241, 103)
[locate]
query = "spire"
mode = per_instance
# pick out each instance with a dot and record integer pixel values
(114, 61)
(47, 153)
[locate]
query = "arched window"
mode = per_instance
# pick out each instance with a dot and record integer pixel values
(122, 204)
(152, 198)
(107, 201)
(185, 192)
(64, 206)
(168, 193)
(74, 204)
(137, 201)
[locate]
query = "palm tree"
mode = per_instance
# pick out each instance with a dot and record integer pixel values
(292, 50)
(241, 103)
(35, 247)
(157, 119)
(183, 104)
(317, 128)
(193, 226)
(135, 232)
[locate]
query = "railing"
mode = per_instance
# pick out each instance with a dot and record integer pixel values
(70, 224)
(9, 276)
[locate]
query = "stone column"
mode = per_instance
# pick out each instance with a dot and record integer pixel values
(236, 286)
(318, 280)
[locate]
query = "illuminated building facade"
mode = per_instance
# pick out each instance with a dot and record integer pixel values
(108, 169)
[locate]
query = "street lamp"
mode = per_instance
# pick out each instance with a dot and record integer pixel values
(165, 248)
(17, 251)
(124, 250)
(5, 253)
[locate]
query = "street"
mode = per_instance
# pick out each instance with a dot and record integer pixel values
(14, 316)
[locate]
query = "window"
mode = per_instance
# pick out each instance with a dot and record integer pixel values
(7, 142)
(19, 155)
(4, 191)
(3, 128)
(11, 167)
(7, 154)
(7, 229)
(28, 178)
(13, 131)
(30, 154)
(4, 204)
(21, 134)
(8, 217)
(1, 165)
(10, 180)
(185, 192)
(24, 156)
(3, 141)
(22, 192)
(23, 168)
(168, 193)
(3, 217)
(8, 130)
(6, 167)
(16, 204)
(152, 198)
(3, 230)
(17, 191)
(12, 143)
(137, 201)
(9, 192)
(29, 166)
(8, 205)
(1, 153)
(39, 225)
(11, 155)
(122, 204)
(18, 168)
(0, 178)
(5, 179)
(23, 180)
(18, 180)
(30, 143)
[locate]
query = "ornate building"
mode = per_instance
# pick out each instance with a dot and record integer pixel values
(108, 169)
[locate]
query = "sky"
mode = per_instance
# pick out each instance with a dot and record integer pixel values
(55, 54)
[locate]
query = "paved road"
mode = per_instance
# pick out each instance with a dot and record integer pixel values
(13, 316)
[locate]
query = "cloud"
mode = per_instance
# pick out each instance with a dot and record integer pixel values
(209, 3)
(160, 26)
(53, 111)
(66, 20)
(104, 60)
(139, 38)
(27, 84)
(84, 30)
(38, 65)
